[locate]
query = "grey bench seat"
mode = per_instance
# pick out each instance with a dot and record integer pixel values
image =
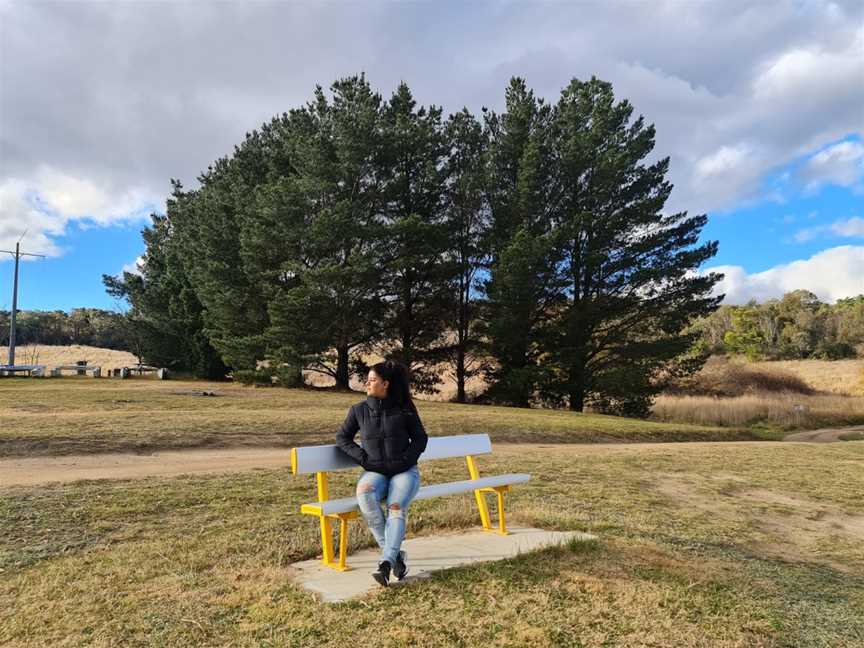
(346, 504)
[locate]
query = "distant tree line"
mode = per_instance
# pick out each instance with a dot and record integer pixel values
(88, 326)
(797, 326)
(529, 247)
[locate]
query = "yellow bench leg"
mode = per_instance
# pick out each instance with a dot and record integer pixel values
(481, 500)
(326, 541)
(328, 551)
(502, 528)
(502, 521)
(343, 543)
(484, 512)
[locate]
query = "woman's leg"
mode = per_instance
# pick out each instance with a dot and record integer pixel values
(371, 489)
(403, 488)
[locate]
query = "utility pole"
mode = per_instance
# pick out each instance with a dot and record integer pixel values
(17, 254)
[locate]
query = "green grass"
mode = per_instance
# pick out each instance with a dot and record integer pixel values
(712, 545)
(83, 415)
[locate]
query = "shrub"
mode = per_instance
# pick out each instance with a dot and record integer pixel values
(289, 375)
(730, 378)
(834, 351)
(257, 377)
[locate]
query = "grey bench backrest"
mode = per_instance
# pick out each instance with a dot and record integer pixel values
(324, 458)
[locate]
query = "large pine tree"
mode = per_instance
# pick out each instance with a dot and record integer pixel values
(351, 223)
(630, 268)
(414, 269)
(522, 286)
(333, 292)
(467, 220)
(208, 224)
(164, 325)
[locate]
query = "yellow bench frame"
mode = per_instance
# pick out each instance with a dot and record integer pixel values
(326, 520)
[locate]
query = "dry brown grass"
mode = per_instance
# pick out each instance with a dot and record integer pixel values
(730, 377)
(721, 376)
(835, 376)
(725, 377)
(788, 395)
(784, 410)
(782, 395)
(77, 415)
(699, 545)
(60, 355)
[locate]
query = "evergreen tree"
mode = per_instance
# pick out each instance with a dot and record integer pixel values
(209, 223)
(467, 218)
(745, 336)
(414, 268)
(273, 224)
(630, 268)
(848, 328)
(332, 292)
(164, 325)
(522, 288)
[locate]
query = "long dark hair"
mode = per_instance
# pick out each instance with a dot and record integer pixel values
(399, 377)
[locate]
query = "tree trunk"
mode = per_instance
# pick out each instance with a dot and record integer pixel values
(460, 374)
(342, 377)
(577, 398)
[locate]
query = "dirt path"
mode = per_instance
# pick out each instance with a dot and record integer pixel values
(828, 435)
(38, 470)
(30, 471)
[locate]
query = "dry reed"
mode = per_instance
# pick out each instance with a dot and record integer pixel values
(786, 410)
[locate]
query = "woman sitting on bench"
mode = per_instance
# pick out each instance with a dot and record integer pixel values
(393, 439)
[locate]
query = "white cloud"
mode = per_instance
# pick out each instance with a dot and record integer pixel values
(795, 70)
(721, 162)
(854, 227)
(840, 164)
(851, 227)
(762, 83)
(832, 274)
(809, 233)
(21, 216)
(796, 101)
(729, 171)
(134, 267)
(46, 203)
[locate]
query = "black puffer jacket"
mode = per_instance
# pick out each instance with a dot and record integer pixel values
(393, 437)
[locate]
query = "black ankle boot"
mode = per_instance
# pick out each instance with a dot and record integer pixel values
(383, 573)
(400, 568)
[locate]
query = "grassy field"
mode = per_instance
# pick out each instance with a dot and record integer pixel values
(83, 414)
(837, 376)
(699, 545)
(766, 411)
(52, 355)
(771, 396)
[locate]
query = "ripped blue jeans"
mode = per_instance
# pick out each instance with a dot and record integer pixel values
(398, 490)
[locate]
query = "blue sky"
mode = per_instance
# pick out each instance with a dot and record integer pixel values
(782, 228)
(74, 278)
(760, 107)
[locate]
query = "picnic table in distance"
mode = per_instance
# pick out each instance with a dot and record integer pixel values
(30, 370)
(140, 369)
(78, 368)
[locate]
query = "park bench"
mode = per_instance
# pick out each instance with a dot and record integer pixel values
(30, 370)
(327, 458)
(126, 372)
(79, 369)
